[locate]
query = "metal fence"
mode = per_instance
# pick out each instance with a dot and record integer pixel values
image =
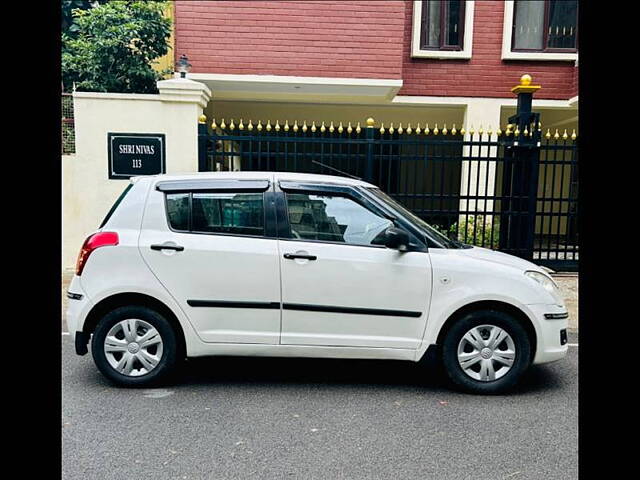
(475, 186)
(68, 125)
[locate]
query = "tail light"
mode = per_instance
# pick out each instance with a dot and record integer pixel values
(97, 240)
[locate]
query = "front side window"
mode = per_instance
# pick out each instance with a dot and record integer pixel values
(545, 25)
(230, 213)
(332, 218)
(442, 25)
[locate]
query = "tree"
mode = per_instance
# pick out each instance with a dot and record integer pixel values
(114, 45)
(68, 25)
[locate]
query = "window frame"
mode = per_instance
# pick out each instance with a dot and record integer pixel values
(465, 50)
(268, 216)
(444, 4)
(508, 39)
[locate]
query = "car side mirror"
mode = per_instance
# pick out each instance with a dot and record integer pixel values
(397, 239)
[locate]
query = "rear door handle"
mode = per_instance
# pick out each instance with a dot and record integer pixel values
(293, 256)
(167, 246)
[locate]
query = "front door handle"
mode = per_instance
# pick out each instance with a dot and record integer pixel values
(167, 246)
(293, 256)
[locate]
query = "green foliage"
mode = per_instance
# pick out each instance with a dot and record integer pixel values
(114, 47)
(485, 230)
(68, 24)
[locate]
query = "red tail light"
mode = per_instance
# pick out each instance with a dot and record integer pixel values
(97, 240)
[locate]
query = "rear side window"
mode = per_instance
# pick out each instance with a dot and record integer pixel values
(229, 213)
(178, 210)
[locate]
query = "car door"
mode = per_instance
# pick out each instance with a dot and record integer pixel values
(340, 285)
(212, 245)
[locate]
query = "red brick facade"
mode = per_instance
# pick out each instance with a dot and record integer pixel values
(485, 74)
(354, 39)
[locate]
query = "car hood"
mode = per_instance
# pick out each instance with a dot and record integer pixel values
(498, 257)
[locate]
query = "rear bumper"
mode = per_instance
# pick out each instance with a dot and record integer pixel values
(550, 345)
(78, 306)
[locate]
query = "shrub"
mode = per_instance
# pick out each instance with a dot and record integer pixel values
(114, 46)
(485, 229)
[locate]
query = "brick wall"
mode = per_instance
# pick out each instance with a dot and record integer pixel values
(485, 74)
(357, 39)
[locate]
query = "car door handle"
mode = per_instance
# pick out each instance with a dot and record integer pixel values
(165, 246)
(293, 256)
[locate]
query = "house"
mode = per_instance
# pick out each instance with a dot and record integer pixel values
(406, 62)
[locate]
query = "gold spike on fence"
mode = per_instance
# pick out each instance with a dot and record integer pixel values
(573, 135)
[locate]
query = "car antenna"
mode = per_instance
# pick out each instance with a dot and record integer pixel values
(335, 169)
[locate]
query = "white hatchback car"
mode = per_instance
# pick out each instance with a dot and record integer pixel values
(297, 265)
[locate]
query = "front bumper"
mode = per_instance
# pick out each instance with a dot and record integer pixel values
(550, 345)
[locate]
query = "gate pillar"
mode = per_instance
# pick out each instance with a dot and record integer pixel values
(521, 171)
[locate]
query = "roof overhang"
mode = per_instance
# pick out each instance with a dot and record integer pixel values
(269, 88)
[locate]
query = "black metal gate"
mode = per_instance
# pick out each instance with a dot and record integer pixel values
(513, 190)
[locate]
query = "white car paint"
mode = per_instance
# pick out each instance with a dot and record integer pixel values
(223, 267)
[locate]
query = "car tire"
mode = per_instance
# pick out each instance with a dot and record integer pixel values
(148, 363)
(480, 365)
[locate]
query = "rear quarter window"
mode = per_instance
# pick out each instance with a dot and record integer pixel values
(114, 207)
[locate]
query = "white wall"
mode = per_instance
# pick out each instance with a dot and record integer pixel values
(88, 193)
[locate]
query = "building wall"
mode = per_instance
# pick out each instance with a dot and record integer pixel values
(357, 39)
(167, 61)
(88, 193)
(485, 74)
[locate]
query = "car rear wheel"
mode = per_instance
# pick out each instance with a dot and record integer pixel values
(486, 352)
(134, 346)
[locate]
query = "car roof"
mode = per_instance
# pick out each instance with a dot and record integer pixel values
(272, 176)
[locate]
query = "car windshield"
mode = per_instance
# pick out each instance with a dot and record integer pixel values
(417, 221)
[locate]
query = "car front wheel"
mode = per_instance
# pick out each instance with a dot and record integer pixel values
(134, 346)
(486, 352)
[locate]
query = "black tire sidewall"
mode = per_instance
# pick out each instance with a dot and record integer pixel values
(169, 346)
(491, 317)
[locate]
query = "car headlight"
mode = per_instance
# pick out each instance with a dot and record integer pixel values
(544, 280)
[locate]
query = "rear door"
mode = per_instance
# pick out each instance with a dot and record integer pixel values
(340, 285)
(212, 245)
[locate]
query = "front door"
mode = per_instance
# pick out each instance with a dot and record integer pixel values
(340, 285)
(210, 247)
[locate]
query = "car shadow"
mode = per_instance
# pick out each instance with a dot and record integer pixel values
(359, 374)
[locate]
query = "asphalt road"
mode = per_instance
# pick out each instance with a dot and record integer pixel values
(242, 418)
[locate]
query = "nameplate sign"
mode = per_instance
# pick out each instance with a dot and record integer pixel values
(133, 154)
